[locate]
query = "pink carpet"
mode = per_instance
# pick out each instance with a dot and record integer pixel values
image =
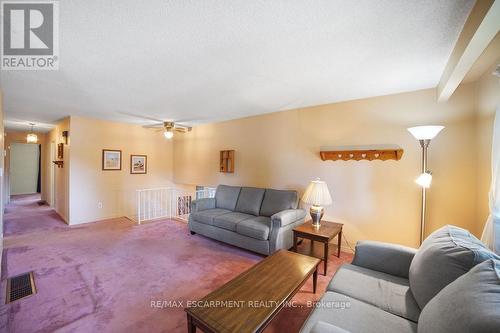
(103, 276)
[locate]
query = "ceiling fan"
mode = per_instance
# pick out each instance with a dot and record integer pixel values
(168, 127)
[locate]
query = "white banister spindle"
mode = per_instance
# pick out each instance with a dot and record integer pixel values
(139, 207)
(167, 202)
(149, 205)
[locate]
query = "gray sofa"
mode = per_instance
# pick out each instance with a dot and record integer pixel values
(257, 219)
(450, 284)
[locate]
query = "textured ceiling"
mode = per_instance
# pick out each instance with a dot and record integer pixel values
(211, 60)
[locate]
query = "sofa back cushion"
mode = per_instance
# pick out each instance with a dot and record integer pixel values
(250, 200)
(227, 196)
(469, 304)
(445, 255)
(277, 200)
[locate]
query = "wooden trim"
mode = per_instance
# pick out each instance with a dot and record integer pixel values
(115, 150)
(145, 164)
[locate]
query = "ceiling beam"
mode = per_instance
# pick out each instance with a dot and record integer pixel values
(479, 30)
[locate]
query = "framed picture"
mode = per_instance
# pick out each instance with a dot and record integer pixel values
(111, 159)
(138, 164)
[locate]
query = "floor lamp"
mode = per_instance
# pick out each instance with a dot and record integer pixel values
(424, 135)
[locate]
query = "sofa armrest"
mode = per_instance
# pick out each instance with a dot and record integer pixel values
(287, 217)
(384, 257)
(202, 204)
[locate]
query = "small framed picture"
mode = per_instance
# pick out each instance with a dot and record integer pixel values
(138, 164)
(60, 151)
(111, 159)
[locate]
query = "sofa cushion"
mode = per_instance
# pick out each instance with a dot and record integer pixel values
(257, 227)
(227, 196)
(322, 327)
(468, 304)
(228, 221)
(355, 316)
(277, 200)
(388, 292)
(250, 200)
(444, 256)
(207, 216)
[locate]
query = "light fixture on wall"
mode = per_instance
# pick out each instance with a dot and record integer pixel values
(317, 195)
(31, 137)
(65, 135)
(424, 135)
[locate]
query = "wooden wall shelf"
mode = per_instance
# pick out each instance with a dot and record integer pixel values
(226, 161)
(357, 153)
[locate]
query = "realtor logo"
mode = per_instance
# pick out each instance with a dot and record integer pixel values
(30, 35)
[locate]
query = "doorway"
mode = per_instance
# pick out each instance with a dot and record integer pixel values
(25, 177)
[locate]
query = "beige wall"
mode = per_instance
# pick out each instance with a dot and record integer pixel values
(2, 174)
(59, 176)
(90, 185)
(376, 200)
(487, 101)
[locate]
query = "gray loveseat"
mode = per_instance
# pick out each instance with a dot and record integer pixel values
(450, 284)
(257, 219)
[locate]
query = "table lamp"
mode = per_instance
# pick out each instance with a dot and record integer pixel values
(317, 195)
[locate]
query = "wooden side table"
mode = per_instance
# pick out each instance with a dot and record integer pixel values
(324, 234)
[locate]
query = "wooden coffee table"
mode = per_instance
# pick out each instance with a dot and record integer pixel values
(251, 300)
(324, 234)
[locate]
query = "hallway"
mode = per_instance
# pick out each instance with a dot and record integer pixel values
(26, 213)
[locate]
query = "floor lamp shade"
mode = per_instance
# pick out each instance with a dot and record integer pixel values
(425, 132)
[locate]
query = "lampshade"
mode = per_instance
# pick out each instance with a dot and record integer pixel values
(424, 179)
(31, 138)
(425, 132)
(317, 194)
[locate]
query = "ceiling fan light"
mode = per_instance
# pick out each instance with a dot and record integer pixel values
(168, 134)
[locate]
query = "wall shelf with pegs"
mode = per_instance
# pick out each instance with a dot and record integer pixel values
(357, 153)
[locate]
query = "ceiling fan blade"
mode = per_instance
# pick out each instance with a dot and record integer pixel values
(179, 125)
(188, 120)
(193, 120)
(183, 129)
(159, 125)
(140, 116)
